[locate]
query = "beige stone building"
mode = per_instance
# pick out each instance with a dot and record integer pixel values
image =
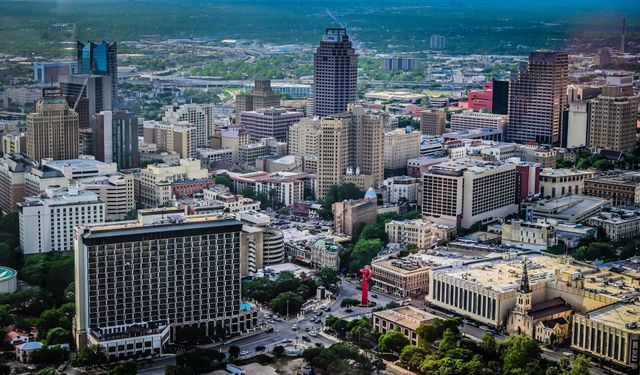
(179, 137)
(610, 333)
(304, 141)
(400, 145)
(53, 131)
(156, 180)
(411, 232)
(116, 191)
(333, 156)
(530, 235)
(433, 122)
(614, 116)
(560, 182)
(348, 213)
(406, 319)
(468, 120)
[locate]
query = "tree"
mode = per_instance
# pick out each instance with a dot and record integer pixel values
(129, 367)
(580, 366)
(363, 252)
(177, 370)
(434, 330)
(348, 302)
(392, 341)
(288, 302)
(412, 356)
(286, 282)
(224, 179)
(375, 231)
(234, 351)
(488, 346)
(48, 371)
(278, 350)
(89, 357)
(449, 341)
(248, 191)
(58, 336)
(328, 277)
(522, 355)
(261, 289)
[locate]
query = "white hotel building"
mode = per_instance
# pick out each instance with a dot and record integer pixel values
(47, 221)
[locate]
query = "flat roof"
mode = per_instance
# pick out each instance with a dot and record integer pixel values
(136, 227)
(563, 172)
(7, 273)
(624, 316)
(503, 274)
(406, 316)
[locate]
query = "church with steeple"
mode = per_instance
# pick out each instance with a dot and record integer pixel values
(547, 321)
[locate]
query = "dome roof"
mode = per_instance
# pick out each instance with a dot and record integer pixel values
(370, 194)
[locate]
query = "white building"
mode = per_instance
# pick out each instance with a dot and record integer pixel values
(618, 224)
(57, 173)
(47, 221)
(402, 187)
(464, 192)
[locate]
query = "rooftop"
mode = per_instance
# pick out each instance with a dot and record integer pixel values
(406, 316)
(624, 316)
(459, 166)
(564, 172)
(503, 274)
(7, 273)
(567, 207)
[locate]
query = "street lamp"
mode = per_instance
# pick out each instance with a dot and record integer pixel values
(287, 309)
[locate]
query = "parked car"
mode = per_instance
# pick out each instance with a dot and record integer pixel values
(313, 334)
(305, 338)
(260, 348)
(286, 341)
(319, 345)
(227, 342)
(295, 327)
(244, 352)
(374, 296)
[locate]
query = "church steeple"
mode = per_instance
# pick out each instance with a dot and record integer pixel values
(524, 282)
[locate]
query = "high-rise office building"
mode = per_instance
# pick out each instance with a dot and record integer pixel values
(433, 122)
(99, 59)
(399, 63)
(116, 138)
(537, 98)
(173, 271)
(94, 92)
(350, 149)
(335, 67)
(500, 99)
(52, 130)
(366, 143)
(199, 116)
(437, 42)
(261, 97)
(333, 154)
(270, 122)
(614, 115)
(400, 145)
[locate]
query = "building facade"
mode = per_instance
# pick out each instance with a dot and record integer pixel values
(116, 139)
(433, 122)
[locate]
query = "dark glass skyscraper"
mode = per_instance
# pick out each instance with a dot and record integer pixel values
(335, 68)
(99, 59)
(537, 98)
(116, 138)
(500, 97)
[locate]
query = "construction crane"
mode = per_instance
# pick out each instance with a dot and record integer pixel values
(84, 86)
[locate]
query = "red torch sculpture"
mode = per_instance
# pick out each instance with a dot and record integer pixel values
(366, 276)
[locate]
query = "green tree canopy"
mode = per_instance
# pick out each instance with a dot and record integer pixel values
(392, 341)
(363, 252)
(279, 304)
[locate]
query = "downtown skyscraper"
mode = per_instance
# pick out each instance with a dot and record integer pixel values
(537, 98)
(335, 76)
